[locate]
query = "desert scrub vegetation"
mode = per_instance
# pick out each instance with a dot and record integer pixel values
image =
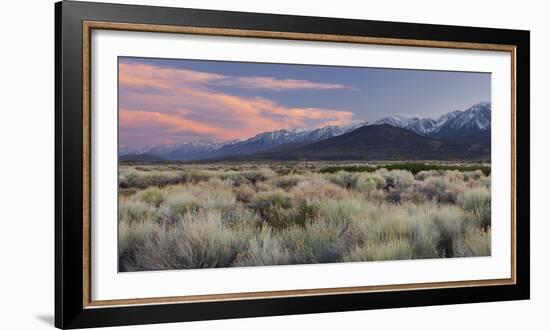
(178, 216)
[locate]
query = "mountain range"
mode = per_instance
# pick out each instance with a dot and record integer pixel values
(454, 135)
(376, 142)
(258, 143)
(471, 125)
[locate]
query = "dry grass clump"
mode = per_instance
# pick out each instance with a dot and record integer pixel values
(181, 217)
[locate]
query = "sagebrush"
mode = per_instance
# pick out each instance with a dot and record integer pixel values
(224, 215)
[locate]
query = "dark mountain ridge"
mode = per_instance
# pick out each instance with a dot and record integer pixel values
(377, 142)
(140, 158)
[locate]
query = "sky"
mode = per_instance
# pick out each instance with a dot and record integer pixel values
(172, 101)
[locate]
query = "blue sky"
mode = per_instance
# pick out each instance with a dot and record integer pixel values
(174, 101)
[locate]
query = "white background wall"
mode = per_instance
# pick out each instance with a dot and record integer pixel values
(27, 169)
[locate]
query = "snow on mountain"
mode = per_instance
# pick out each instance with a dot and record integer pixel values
(268, 140)
(182, 151)
(447, 117)
(259, 142)
(422, 126)
(471, 124)
(477, 116)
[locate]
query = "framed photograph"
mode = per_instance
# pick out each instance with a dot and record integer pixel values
(214, 164)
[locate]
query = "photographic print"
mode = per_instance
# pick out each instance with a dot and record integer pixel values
(216, 164)
(232, 164)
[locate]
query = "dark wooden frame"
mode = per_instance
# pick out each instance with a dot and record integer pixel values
(74, 21)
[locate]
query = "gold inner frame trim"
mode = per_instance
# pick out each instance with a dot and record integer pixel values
(88, 26)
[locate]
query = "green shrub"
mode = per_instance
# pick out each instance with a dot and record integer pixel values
(195, 176)
(367, 184)
(316, 190)
(449, 221)
(424, 238)
(345, 179)
(415, 168)
(270, 199)
(279, 218)
(341, 211)
(131, 211)
(356, 168)
(152, 195)
(263, 250)
(317, 242)
(182, 202)
(477, 201)
(395, 249)
(203, 241)
(131, 178)
(306, 212)
(397, 179)
(477, 242)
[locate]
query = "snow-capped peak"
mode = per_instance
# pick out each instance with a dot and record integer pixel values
(477, 117)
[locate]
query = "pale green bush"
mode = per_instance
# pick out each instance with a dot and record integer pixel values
(265, 200)
(369, 183)
(217, 199)
(449, 221)
(181, 202)
(142, 246)
(131, 210)
(397, 179)
(424, 238)
(203, 241)
(477, 242)
(263, 250)
(341, 211)
(345, 179)
(241, 218)
(317, 242)
(129, 178)
(477, 201)
(152, 195)
(395, 249)
(318, 189)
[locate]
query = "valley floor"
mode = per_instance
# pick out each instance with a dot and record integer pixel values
(175, 216)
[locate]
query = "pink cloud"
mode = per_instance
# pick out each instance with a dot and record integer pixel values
(159, 102)
(277, 84)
